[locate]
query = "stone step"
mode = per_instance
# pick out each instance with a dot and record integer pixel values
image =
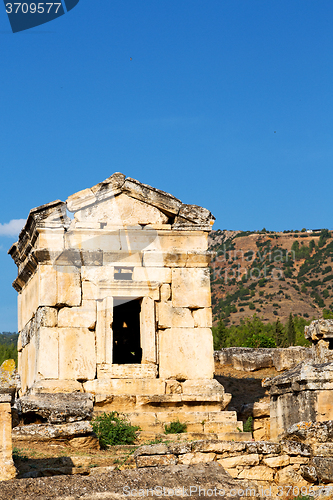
(235, 436)
(202, 422)
(136, 418)
(145, 436)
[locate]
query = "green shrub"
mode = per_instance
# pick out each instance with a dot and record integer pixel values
(248, 425)
(175, 427)
(112, 429)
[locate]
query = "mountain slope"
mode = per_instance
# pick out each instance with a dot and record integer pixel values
(271, 274)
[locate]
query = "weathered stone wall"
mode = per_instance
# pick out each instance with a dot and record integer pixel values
(303, 393)
(126, 240)
(250, 359)
(9, 382)
(291, 462)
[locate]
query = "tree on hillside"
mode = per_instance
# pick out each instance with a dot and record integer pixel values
(291, 331)
(279, 334)
(220, 335)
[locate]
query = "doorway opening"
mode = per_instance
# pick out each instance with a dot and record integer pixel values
(126, 331)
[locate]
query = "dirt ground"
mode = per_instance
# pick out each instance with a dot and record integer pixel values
(176, 481)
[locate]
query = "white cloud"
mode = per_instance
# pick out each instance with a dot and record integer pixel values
(12, 228)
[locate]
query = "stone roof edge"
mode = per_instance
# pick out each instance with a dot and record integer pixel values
(117, 183)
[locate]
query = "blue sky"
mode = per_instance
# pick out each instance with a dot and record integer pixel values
(225, 104)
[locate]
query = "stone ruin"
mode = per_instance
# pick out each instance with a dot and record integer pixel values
(9, 383)
(304, 392)
(114, 310)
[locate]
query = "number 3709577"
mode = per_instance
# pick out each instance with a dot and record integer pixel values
(32, 8)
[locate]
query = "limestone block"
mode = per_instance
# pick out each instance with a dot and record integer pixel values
(202, 317)
(104, 343)
(263, 447)
(174, 317)
(144, 420)
(89, 290)
(183, 241)
(135, 240)
(155, 460)
(47, 295)
(233, 472)
(19, 343)
(89, 240)
(165, 291)
(122, 258)
(23, 369)
(309, 473)
(160, 274)
(81, 363)
(58, 408)
(81, 317)
(84, 443)
(280, 461)
(186, 353)
(258, 473)
(122, 210)
(29, 299)
(96, 274)
(126, 371)
(289, 476)
(261, 429)
(125, 386)
(7, 468)
(299, 460)
(45, 432)
(218, 446)
(50, 239)
(322, 449)
(46, 316)
(190, 288)
(284, 359)
(261, 409)
(239, 460)
(153, 449)
(179, 448)
(147, 329)
(47, 353)
(152, 258)
(196, 214)
(105, 403)
(56, 386)
(80, 199)
(173, 387)
(31, 360)
(296, 448)
(155, 197)
(69, 287)
(196, 458)
(110, 187)
(324, 405)
(201, 386)
(198, 259)
(128, 288)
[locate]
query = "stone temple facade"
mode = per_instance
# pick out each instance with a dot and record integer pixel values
(114, 300)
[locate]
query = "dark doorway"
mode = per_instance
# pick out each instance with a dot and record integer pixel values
(126, 331)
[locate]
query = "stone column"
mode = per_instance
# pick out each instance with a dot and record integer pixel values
(7, 467)
(9, 382)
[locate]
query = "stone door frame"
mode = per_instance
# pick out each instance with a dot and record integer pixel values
(148, 292)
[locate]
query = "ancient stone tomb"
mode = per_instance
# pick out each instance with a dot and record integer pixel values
(114, 300)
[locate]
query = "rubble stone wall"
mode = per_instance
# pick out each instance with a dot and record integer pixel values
(250, 359)
(290, 463)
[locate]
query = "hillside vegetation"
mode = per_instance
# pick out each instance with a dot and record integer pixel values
(8, 346)
(272, 276)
